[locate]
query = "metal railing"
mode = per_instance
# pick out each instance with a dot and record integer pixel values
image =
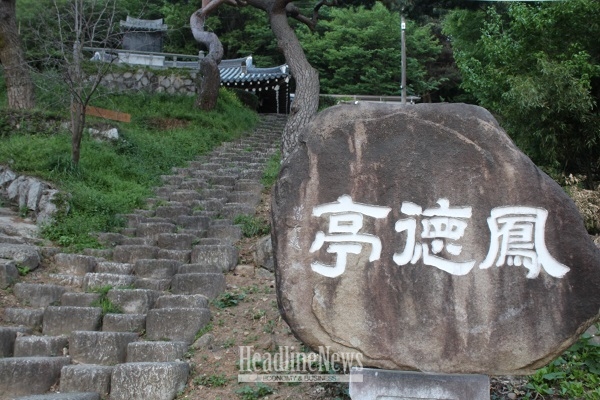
(378, 99)
(172, 60)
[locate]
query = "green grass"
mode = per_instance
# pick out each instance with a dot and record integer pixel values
(115, 178)
(272, 170)
(252, 226)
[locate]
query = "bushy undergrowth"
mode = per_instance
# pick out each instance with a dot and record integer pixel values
(115, 178)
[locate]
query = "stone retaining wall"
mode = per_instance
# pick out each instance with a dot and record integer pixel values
(149, 81)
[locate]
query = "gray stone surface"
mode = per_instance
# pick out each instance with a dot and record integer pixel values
(156, 269)
(102, 348)
(9, 274)
(156, 351)
(29, 317)
(375, 384)
(209, 285)
(263, 253)
(8, 335)
(62, 396)
(96, 280)
(75, 264)
(222, 256)
(148, 381)
(79, 299)
(40, 346)
(22, 254)
(484, 266)
(63, 320)
(177, 324)
(131, 253)
(124, 323)
(182, 301)
(20, 376)
(86, 378)
(38, 295)
(133, 301)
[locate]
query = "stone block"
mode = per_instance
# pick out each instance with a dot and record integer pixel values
(228, 233)
(176, 241)
(23, 255)
(74, 281)
(375, 384)
(9, 274)
(38, 295)
(64, 320)
(79, 299)
(263, 253)
(131, 253)
(62, 396)
(156, 351)
(8, 335)
(153, 229)
(20, 376)
(182, 301)
(153, 284)
(177, 324)
(183, 256)
(86, 378)
(199, 269)
(95, 280)
(223, 256)
(143, 381)
(102, 348)
(124, 323)
(196, 222)
(156, 269)
(133, 301)
(75, 264)
(209, 285)
(111, 267)
(172, 212)
(29, 317)
(40, 346)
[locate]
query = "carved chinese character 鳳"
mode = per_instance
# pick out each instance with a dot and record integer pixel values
(517, 238)
(345, 222)
(444, 225)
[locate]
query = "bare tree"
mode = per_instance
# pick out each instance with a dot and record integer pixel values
(19, 85)
(90, 23)
(306, 101)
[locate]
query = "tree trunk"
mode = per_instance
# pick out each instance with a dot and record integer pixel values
(19, 86)
(306, 101)
(77, 104)
(209, 79)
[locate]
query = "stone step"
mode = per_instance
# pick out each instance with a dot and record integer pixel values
(38, 294)
(224, 257)
(198, 269)
(111, 267)
(133, 301)
(28, 317)
(209, 285)
(182, 301)
(194, 184)
(176, 241)
(41, 346)
(8, 336)
(101, 348)
(172, 212)
(79, 299)
(156, 269)
(74, 281)
(185, 196)
(131, 253)
(250, 199)
(9, 274)
(75, 264)
(227, 233)
(153, 284)
(86, 378)
(148, 381)
(22, 376)
(156, 351)
(183, 256)
(95, 280)
(124, 323)
(176, 324)
(62, 396)
(154, 229)
(65, 319)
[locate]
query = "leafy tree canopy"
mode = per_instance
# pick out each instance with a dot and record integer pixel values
(537, 66)
(357, 51)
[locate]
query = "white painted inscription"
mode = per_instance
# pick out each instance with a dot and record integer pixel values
(442, 224)
(517, 237)
(345, 222)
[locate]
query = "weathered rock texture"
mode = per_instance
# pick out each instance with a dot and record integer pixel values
(505, 295)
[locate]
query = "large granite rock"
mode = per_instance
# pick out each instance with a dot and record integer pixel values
(422, 238)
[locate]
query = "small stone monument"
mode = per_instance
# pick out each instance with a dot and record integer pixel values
(422, 238)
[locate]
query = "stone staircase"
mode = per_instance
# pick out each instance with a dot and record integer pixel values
(158, 275)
